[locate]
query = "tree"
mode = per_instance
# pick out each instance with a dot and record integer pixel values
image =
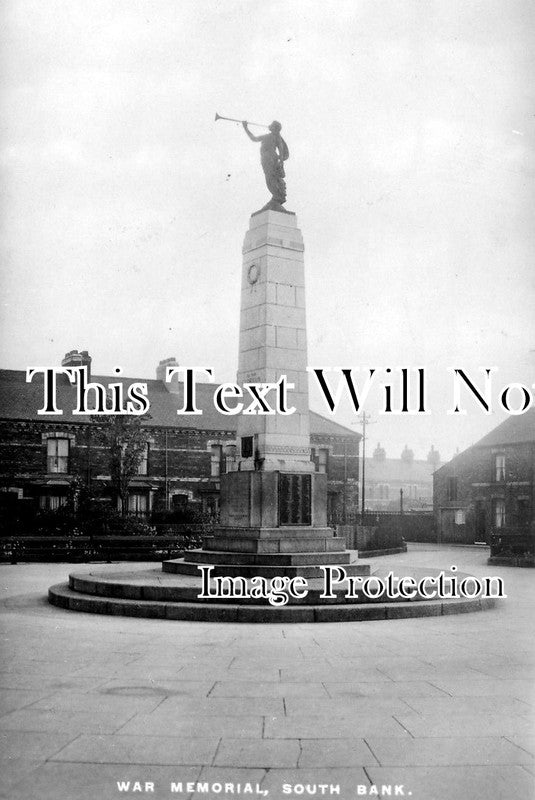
(126, 440)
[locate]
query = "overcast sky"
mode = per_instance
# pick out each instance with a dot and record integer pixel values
(411, 133)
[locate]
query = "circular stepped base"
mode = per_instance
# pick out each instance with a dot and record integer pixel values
(156, 595)
(191, 564)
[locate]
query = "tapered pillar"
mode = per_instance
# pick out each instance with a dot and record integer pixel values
(273, 343)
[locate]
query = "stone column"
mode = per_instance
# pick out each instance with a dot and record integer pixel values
(275, 484)
(273, 342)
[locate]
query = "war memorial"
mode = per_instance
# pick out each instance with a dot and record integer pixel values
(273, 558)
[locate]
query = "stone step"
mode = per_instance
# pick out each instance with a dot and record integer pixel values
(115, 586)
(284, 532)
(282, 559)
(190, 567)
(63, 596)
(292, 544)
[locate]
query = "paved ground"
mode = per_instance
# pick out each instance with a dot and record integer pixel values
(441, 705)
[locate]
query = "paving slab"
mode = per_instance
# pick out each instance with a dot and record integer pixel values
(91, 781)
(340, 706)
(230, 688)
(338, 782)
(491, 687)
(240, 778)
(367, 674)
(21, 681)
(527, 743)
(124, 749)
(95, 703)
(13, 770)
(32, 745)
(503, 704)
(64, 721)
(442, 751)
(387, 689)
(148, 684)
(351, 725)
(457, 783)
(12, 699)
(192, 724)
(464, 724)
(261, 753)
(224, 706)
(335, 753)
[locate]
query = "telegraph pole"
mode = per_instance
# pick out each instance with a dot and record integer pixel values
(365, 419)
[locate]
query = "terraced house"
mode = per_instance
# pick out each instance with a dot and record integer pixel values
(45, 458)
(486, 493)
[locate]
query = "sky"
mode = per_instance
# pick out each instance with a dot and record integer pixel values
(412, 173)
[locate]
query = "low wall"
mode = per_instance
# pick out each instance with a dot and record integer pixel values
(389, 530)
(376, 553)
(418, 527)
(512, 561)
(78, 549)
(372, 537)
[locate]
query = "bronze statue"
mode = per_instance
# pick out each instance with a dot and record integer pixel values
(273, 153)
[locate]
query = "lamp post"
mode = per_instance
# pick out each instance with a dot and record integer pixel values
(344, 496)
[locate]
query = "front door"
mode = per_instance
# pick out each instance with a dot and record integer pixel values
(481, 522)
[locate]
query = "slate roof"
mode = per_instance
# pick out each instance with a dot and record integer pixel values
(20, 401)
(516, 429)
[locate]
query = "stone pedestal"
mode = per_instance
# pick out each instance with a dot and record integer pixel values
(273, 499)
(273, 503)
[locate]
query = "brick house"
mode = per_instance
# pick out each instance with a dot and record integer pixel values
(44, 457)
(386, 478)
(486, 493)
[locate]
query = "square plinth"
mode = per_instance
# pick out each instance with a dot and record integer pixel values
(273, 500)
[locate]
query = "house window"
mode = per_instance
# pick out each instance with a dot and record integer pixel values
(320, 457)
(453, 488)
(500, 468)
(216, 455)
(211, 506)
(247, 447)
(383, 491)
(499, 514)
(179, 502)
(143, 466)
(57, 455)
(51, 502)
(522, 511)
(138, 503)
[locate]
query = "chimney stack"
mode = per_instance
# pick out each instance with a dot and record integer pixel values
(172, 386)
(407, 455)
(379, 454)
(433, 457)
(77, 359)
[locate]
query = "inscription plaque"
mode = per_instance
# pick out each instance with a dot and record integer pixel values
(295, 499)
